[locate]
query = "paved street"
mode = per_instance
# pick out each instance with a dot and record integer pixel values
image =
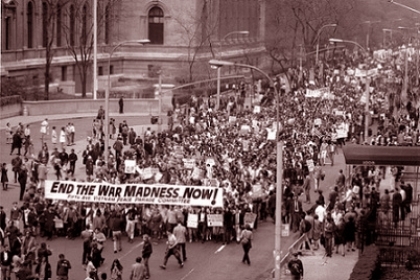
(210, 260)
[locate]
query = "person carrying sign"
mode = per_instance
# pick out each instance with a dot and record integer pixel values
(246, 241)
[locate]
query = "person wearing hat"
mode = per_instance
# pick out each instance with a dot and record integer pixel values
(295, 266)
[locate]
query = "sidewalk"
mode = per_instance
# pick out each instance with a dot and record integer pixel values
(318, 267)
(14, 121)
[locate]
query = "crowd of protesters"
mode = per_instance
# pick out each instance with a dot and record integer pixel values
(232, 147)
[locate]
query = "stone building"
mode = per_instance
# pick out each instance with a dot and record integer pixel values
(183, 34)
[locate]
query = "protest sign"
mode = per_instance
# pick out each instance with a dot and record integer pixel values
(310, 164)
(179, 151)
(158, 175)
(129, 166)
(192, 220)
(197, 173)
(147, 173)
(134, 193)
(271, 134)
(214, 183)
(323, 93)
(232, 119)
(189, 163)
(245, 129)
(257, 109)
(318, 121)
(257, 191)
(249, 219)
(285, 231)
(210, 161)
(215, 220)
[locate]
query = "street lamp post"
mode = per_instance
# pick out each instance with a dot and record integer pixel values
(317, 40)
(95, 48)
(367, 85)
(404, 6)
(241, 32)
(368, 32)
(279, 161)
(108, 89)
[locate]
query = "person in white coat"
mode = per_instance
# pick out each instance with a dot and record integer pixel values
(62, 137)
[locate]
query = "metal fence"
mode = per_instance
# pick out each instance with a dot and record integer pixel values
(399, 242)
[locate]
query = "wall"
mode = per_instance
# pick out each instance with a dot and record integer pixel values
(10, 111)
(79, 106)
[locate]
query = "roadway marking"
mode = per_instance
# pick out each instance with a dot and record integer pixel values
(188, 274)
(220, 249)
(132, 249)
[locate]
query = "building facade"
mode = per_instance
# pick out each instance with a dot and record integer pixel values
(183, 34)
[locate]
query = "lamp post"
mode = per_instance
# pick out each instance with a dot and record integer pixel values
(108, 89)
(317, 39)
(279, 152)
(367, 93)
(368, 32)
(404, 6)
(95, 48)
(386, 30)
(241, 32)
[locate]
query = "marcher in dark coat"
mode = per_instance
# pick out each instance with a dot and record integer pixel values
(396, 205)
(121, 105)
(43, 269)
(23, 177)
(4, 177)
(17, 143)
(339, 237)
(49, 226)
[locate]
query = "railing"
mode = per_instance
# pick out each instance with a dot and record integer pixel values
(399, 242)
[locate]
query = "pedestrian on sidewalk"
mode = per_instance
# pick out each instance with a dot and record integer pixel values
(44, 129)
(171, 249)
(4, 178)
(9, 134)
(16, 143)
(121, 105)
(23, 178)
(246, 241)
(295, 266)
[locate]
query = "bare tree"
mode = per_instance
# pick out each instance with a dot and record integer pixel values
(197, 35)
(80, 43)
(50, 18)
(297, 22)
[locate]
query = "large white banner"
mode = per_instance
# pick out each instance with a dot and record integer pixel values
(323, 93)
(134, 193)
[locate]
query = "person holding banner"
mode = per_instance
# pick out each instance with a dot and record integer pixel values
(246, 241)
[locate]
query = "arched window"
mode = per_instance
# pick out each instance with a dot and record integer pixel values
(156, 26)
(84, 26)
(8, 17)
(30, 22)
(72, 25)
(59, 24)
(107, 23)
(44, 24)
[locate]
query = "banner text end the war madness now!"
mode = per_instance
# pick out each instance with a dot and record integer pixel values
(134, 193)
